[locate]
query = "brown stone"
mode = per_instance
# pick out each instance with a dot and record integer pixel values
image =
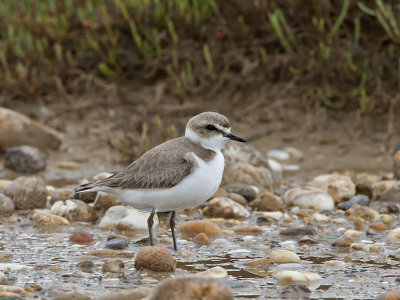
(378, 226)
(248, 229)
(154, 258)
(27, 192)
(61, 194)
(201, 239)
(113, 266)
(237, 198)
(81, 237)
(191, 288)
(198, 226)
(49, 219)
(267, 201)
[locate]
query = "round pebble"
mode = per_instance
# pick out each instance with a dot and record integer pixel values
(267, 201)
(81, 237)
(201, 239)
(283, 257)
(154, 258)
(117, 243)
(225, 208)
(198, 226)
(25, 159)
(113, 266)
(27, 192)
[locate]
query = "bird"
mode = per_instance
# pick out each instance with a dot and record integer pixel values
(178, 174)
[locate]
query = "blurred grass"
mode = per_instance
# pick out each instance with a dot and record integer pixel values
(347, 52)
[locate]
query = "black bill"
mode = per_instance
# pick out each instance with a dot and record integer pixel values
(235, 138)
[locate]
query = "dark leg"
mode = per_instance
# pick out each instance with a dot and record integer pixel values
(172, 225)
(150, 223)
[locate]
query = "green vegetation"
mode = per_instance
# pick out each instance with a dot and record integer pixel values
(347, 52)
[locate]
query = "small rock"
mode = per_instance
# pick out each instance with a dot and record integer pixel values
(340, 187)
(73, 210)
(12, 289)
(81, 237)
(248, 229)
(65, 292)
(387, 219)
(3, 278)
(155, 258)
(390, 295)
(246, 191)
(364, 183)
(110, 253)
(366, 247)
(363, 212)
(394, 235)
(296, 276)
(386, 190)
(201, 239)
(199, 226)
(61, 194)
(306, 240)
(309, 197)
(225, 208)
(298, 231)
(127, 218)
(49, 219)
(11, 267)
(343, 241)
(359, 223)
(378, 226)
(25, 159)
(4, 183)
(86, 266)
(295, 291)
(68, 165)
(246, 165)
(335, 263)
(113, 266)
(267, 201)
(278, 154)
(237, 198)
(138, 293)
(353, 234)
(6, 205)
(116, 244)
(283, 257)
(105, 201)
(17, 129)
(358, 199)
(27, 192)
(272, 216)
(190, 288)
(215, 272)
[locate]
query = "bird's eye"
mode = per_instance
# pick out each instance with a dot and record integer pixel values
(211, 127)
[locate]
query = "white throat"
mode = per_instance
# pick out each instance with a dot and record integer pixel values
(215, 143)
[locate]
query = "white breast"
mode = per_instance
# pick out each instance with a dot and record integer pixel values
(193, 190)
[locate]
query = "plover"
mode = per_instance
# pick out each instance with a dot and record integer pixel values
(178, 174)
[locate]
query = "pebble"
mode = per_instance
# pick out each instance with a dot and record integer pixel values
(81, 237)
(61, 194)
(295, 291)
(215, 272)
(278, 154)
(363, 212)
(272, 216)
(343, 241)
(267, 201)
(283, 257)
(387, 219)
(357, 199)
(353, 234)
(306, 240)
(17, 130)
(275, 166)
(27, 192)
(201, 239)
(110, 253)
(6, 205)
(25, 159)
(225, 208)
(137, 293)
(390, 295)
(12, 289)
(3, 278)
(127, 218)
(306, 230)
(44, 218)
(113, 266)
(116, 244)
(154, 258)
(68, 165)
(65, 292)
(386, 190)
(246, 165)
(248, 229)
(7, 267)
(296, 276)
(309, 197)
(191, 287)
(378, 226)
(10, 296)
(85, 266)
(340, 187)
(237, 198)
(246, 191)
(105, 201)
(394, 235)
(335, 263)
(366, 247)
(73, 210)
(4, 183)
(200, 226)
(364, 183)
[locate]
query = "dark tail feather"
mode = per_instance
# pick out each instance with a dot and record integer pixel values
(83, 188)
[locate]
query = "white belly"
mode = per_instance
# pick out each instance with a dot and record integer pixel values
(193, 190)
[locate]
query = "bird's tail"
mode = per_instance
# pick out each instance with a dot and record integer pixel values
(84, 188)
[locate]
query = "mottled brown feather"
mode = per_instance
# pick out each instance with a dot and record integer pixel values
(163, 166)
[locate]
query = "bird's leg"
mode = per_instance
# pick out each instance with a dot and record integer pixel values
(172, 225)
(150, 223)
